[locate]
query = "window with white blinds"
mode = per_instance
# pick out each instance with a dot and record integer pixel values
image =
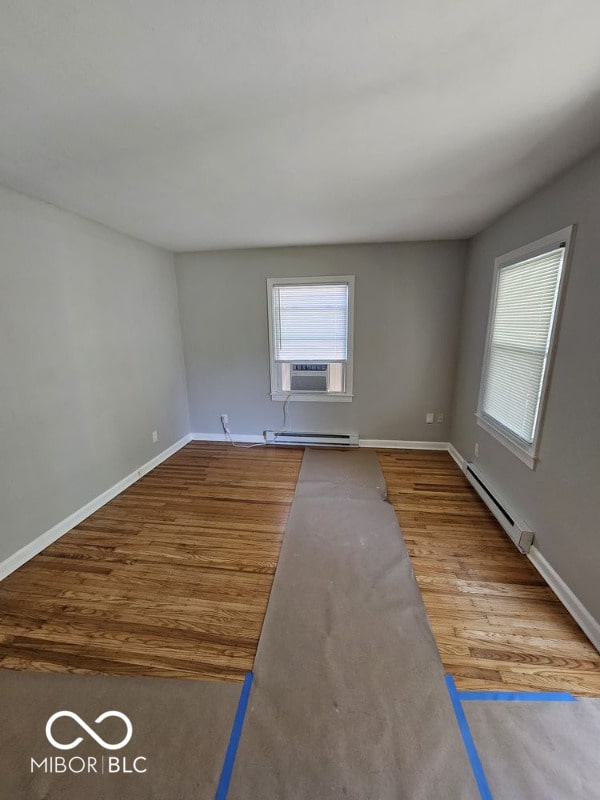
(311, 322)
(310, 335)
(519, 344)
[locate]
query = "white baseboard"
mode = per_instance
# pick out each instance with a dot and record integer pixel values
(570, 601)
(398, 444)
(30, 550)
(255, 438)
(457, 457)
(383, 444)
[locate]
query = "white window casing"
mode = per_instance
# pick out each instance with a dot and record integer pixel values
(524, 312)
(311, 325)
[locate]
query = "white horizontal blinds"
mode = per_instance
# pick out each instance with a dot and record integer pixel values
(311, 322)
(519, 340)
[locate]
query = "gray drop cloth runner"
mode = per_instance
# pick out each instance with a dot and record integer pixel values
(540, 750)
(349, 699)
(180, 731)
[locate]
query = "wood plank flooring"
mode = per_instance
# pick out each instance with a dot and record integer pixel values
(171, 578)
(496, 623)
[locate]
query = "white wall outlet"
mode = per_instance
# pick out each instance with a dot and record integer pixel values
(224, 419)
(429, 417)
(440, 416)
(476, 449)
(155, 436)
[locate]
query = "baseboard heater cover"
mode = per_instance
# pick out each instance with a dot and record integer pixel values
(519, 532)
(312, 439)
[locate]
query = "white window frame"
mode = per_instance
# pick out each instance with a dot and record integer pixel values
(318, 397)
(528, 453)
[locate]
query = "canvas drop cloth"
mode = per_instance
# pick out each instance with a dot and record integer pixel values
(538, 750)
(181, 728)
(349, 699)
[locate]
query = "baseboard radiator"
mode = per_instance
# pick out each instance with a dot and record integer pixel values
(520, 533)
(312, 439)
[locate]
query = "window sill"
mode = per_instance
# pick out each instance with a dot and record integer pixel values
(520, 452)
(311, 397)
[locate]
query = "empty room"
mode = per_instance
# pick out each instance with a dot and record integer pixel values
(299, 408)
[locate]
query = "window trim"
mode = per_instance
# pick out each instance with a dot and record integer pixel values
(319, 397)
(527, 453)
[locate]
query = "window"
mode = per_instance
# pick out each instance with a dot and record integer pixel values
(310, 337)
(521, 333)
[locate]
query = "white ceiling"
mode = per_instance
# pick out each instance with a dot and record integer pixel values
(197, 124)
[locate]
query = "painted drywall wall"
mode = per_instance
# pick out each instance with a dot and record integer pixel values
(559, 498)
(90, 363)
(407, 309)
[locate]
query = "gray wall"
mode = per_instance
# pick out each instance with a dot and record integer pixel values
(407, 310)
(90, 363)
(560, 498)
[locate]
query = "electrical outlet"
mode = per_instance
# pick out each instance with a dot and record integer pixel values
(440, 416)
(224, 419)
(155, 436)
(429, 417)
(476, 449)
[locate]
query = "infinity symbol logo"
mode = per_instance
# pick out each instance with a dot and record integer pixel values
(88, 730)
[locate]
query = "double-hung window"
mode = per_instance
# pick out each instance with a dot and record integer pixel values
(311, 337)
(521, 334)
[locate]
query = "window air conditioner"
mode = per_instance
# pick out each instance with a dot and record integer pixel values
(309, 377)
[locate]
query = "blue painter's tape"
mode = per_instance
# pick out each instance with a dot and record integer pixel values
(476, 766)
(234, 739)
(552, 697)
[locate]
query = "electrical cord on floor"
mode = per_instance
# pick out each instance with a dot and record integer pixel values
(241, 446)
(258, 444)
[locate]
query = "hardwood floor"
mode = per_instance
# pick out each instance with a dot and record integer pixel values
(171, 578)
(496, 623)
